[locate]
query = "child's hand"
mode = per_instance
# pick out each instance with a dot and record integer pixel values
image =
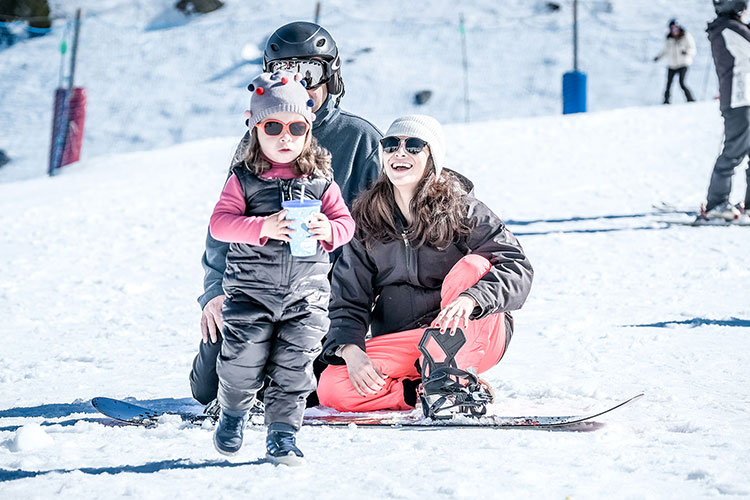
(319, 227)
(276, 227)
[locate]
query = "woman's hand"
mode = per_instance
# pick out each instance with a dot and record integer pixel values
(319, 227)
(276, 227)
(455, 314)
(364, 375)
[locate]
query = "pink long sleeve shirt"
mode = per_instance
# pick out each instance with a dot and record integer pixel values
(229, 223)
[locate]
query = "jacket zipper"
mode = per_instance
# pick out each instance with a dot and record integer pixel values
(412, 275)
(407, 249)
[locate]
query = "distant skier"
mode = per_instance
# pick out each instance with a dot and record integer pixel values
(276, 308)
(679, 49)
(730, 47)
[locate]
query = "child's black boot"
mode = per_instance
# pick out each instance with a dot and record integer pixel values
(228, 435)
(281, 447)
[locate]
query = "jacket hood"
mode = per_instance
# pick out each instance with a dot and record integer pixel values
(719, 24)
(465, 182)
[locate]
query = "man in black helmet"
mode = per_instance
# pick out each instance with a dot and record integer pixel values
(308, 49)
(730, 47)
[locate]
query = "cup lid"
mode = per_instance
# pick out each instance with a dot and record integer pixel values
(300, 203)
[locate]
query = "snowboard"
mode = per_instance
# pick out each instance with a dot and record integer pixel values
(132, 414)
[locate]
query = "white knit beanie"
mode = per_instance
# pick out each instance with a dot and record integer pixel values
(422, 127)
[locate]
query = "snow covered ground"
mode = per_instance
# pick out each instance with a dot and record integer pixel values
(101, 267)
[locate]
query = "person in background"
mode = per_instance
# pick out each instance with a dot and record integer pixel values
(730, 47)
(679, 49)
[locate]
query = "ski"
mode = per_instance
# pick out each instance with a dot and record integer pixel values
(668, 208)
(132, 414)
(701, 222)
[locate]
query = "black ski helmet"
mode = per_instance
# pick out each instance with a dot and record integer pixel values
(673, 22)
(305, 40)
(729, 7)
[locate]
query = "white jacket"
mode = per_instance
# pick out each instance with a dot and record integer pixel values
(679, 51)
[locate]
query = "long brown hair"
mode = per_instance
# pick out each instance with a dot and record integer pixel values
(439, 211)
(314, 160)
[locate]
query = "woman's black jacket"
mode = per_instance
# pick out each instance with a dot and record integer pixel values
(394, 286)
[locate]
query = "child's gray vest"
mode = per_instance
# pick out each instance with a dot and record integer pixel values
(255, 270)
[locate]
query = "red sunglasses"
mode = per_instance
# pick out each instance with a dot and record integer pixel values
(275, 127)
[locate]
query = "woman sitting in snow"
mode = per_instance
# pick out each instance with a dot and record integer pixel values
(425, 253)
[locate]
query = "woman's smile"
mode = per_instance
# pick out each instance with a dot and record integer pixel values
(401, 165)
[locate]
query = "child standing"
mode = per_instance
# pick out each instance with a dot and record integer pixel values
(276, 311)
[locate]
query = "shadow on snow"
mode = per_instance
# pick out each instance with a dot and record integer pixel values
(60, 410)
(57, 410)
(149, 468)
(511, 222)
(573, 231)
(695, 322)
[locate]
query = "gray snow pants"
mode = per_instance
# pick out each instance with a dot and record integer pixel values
(276, 335)
(736, 148)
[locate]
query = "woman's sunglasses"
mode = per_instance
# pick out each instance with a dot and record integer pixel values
(413, 145)
(276, 127)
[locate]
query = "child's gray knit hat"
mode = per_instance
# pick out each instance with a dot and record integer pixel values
(277, 92)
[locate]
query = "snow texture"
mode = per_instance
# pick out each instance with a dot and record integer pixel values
(101, 268)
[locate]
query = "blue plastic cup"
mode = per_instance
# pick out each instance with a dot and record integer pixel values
(299, 211)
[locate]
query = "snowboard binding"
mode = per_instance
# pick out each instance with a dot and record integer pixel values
(447, 389)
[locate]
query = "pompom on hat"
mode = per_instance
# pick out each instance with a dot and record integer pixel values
(275, 93)
(426, 128)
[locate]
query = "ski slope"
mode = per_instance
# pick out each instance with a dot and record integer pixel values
(155, 78)
(101, 264)
(101, 268)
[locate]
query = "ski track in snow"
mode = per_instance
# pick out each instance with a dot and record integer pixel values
(101, 267)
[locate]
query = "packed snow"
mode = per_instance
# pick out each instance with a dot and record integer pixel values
(101, 268)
